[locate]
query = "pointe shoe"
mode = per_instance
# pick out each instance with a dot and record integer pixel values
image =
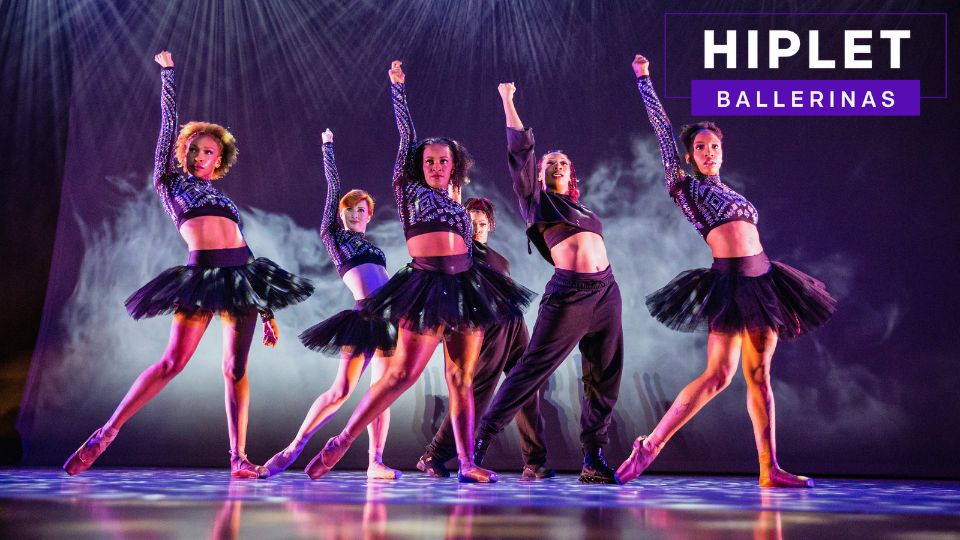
(639, 460)
(536, 472)
(472, 474)
(595, 469)
(320, 465)
(282, 460)
(379, 471)
(779, 478)
(89, 451)
(433, 467)
(241, 467)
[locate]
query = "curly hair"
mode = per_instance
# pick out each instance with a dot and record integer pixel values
(689, 132)
(225, 140)
(574, 191)
(462, 161)
(485, 205)
(353, 197)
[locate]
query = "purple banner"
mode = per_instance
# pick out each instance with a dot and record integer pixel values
(805, 98)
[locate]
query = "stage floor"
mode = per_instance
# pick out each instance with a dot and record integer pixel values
(198, 503)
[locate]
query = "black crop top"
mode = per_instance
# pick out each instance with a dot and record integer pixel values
(347, 249)
(704, 200)
(184, 196)
(541, 207)
(422, 208)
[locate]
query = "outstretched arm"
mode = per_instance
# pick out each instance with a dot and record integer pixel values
(331, 222)
(401, 112)
(673, 171)
(521, 159)
(163, 164)
(507, 90)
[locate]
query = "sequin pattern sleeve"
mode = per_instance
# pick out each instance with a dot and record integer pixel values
(408, 134)
(673, 172)
(163, 166)
(330, 224)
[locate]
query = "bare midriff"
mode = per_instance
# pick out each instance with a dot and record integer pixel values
(734, 239)
(211, 232)
(364, 279)
(583, 252)
(436, 244)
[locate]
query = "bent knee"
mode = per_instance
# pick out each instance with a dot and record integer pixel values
(171, 365)
(399, 378)
(719, 380)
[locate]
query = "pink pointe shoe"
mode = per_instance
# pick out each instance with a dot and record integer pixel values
(327, 459)
(639, 460)
(89, 451)
(282, 460)
(241, 467)
(779, 478)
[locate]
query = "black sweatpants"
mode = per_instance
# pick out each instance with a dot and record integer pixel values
(502, 347)
(582, 308)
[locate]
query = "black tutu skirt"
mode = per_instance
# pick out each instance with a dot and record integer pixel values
(743, 293)
(453, 291)
(353, 328)
(229, 280)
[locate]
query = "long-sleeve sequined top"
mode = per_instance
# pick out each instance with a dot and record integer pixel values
(542, 208)
(422, 208)
(347, 248)
(184, 196)
(705, 200)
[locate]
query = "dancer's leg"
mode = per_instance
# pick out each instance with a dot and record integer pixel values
(322, 410)
(185, 333)
(758, 348)
(461, 350)
(377, 430)
(403, 369)
(238, 333)
(723, 353)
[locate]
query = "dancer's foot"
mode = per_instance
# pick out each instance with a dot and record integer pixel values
(640, 458)
(536, 472)
(283, 459)
(241, 467)
(378, 471)
(433, 467)
(595, 469)
(320, 465)
(779, 478)
(473, 474)
(90, 450)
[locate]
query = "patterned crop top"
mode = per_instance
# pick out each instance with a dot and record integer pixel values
(551, 217)
(422, 208)
(705, 200)
(347, 248)
(184, 196)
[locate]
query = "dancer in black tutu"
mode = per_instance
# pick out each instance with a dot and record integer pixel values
(745, 301)
(440, 295)
(221, 277)
(581, 303)
(359, 339)
(502, 346)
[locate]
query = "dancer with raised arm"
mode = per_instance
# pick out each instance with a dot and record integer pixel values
(580, 305)
(220, 277)
(440, 296)
(359, 339)
(502, 346)
(745, 301)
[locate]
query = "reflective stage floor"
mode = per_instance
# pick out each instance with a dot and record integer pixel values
(205, 503)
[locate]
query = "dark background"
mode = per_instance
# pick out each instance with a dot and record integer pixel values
(867, 204)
